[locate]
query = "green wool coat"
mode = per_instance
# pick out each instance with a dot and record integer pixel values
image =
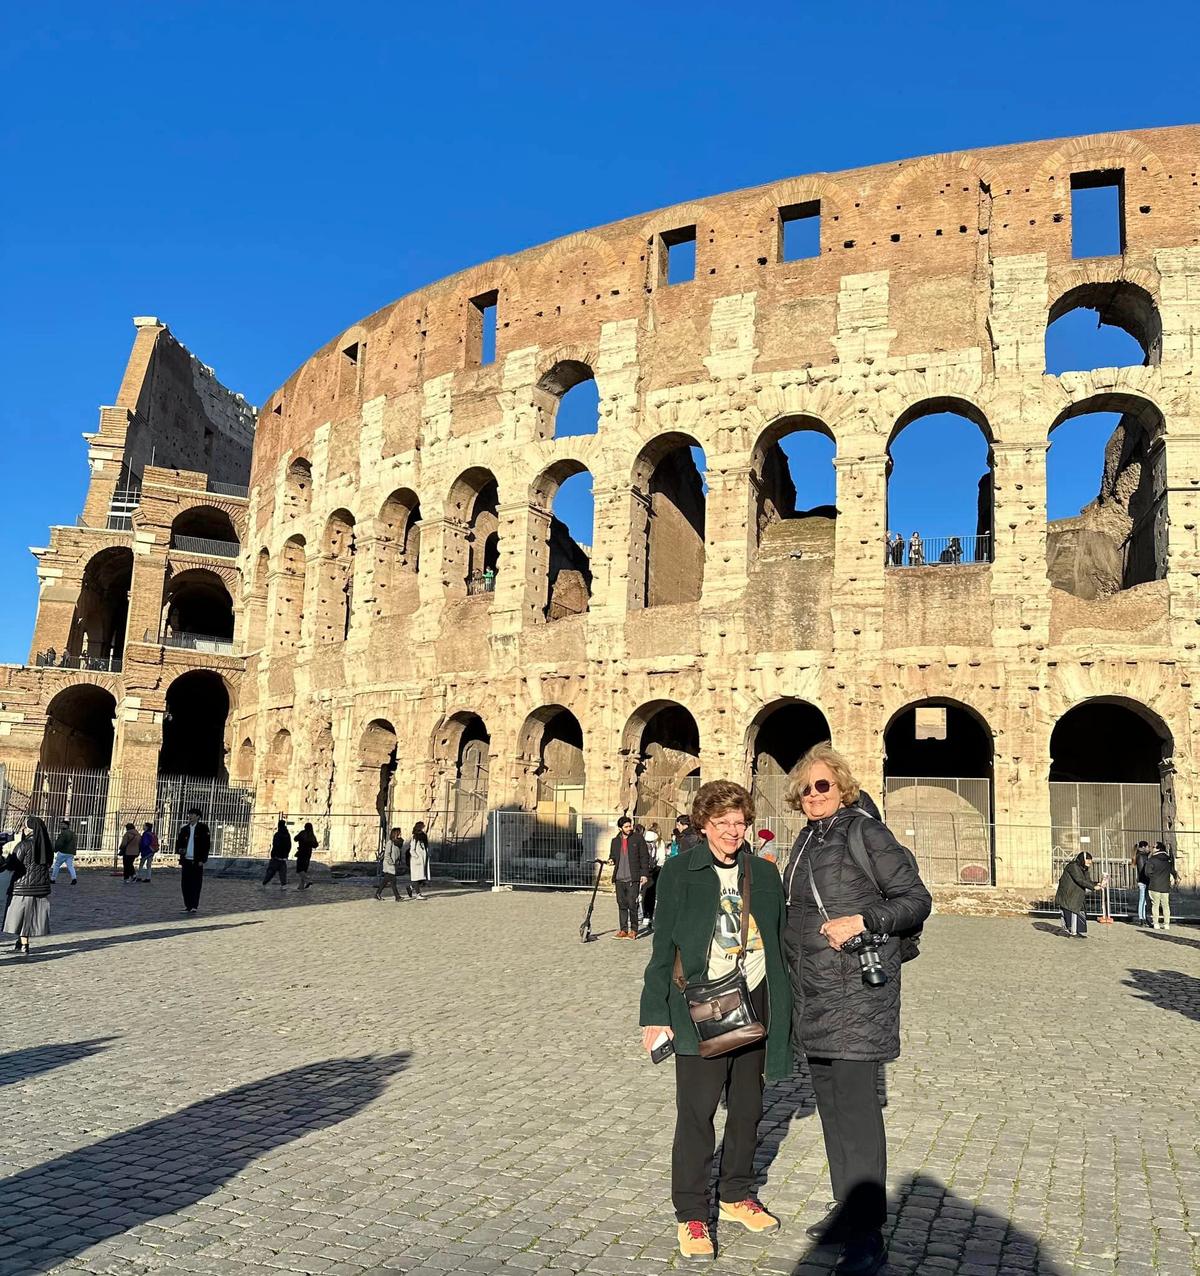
(685, 916)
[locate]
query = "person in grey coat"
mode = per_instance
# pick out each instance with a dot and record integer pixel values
(28, 915)
(1071, 897)
(393, 864)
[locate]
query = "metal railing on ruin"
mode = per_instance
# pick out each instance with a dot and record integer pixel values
(206, 545)
(481, 583)
(121, 509)
(50, 659)
(200, 642)
(937, 551)
(228, 489)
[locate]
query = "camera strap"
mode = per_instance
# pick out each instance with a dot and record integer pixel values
(812, 881)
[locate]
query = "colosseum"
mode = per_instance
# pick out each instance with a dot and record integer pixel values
(359, 606)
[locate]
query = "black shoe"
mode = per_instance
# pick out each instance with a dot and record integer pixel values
(17, 946)
(826, 1230)
(863, 1256)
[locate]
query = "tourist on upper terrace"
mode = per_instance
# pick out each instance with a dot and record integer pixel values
(631, 871)
(916, 550)
(1071, 897)
(65, 845)
(192, 844)
(128, 847)
(720, 917)
(1160, 877)
(895, 549)
(852, 890)
(416, 850)
(28, 914)
(281, 848)
(147, 849)
(306, 843)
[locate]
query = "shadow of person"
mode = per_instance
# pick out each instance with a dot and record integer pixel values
(931, 1228)
(68, 948)
(783, 1103)
(1170, 989)
(1048, 928)
(1164, 938)
(181, 1158)
(20, 1065)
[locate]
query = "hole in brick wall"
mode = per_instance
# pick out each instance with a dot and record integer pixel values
(677, 255)
(800, 231)
(1098, 213)
(794, 479)
(351, 353)
(482, 313)
(1103, 325)
(667, 545)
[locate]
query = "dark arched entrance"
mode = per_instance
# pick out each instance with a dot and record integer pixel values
(662, 742)
(79, 729)
(193, 740)
(780, 735)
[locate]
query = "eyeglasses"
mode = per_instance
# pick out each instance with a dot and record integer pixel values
(817, 786)
(730, 826)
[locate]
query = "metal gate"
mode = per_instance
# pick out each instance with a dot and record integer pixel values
(947, 821)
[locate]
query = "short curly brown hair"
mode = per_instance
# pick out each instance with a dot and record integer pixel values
(718, 797)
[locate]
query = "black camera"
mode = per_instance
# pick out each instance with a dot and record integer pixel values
(866, 948)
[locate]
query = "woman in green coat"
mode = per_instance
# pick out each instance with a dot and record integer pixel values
(1071, 897)
(698, 913)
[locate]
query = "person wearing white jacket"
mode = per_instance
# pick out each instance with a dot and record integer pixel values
(417, 849)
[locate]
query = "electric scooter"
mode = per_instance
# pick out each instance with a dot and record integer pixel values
(585, 931)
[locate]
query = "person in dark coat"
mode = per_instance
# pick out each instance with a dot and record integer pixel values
(845, 1027)
(1071, 896)
(192, 844)
(128, 847)
(28, 915)
(699, 916)
(306, 843)
(1141, 853)
(683, 836)
(1160, 877)
(630, 859)
(281, 848)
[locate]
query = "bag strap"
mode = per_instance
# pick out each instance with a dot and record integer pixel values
(677, 972)
(856, 844)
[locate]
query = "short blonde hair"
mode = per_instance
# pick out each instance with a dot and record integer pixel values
(826, 753)
(719, 797)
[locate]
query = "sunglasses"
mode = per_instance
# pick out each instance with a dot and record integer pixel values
(817, 786)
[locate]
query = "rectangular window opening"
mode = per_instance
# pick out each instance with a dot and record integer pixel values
(351, 353)
(481, 335)
(800, 231)
(1098, 213)
(677, 257)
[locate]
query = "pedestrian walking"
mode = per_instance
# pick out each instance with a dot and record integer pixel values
(1141, 853)
(65, 845)
(391, 865)
(916, 550)
(631, 871)
(1071, 897)
(1160, 877)
(851, 890)
(657, 855)
(306, 843)
(703, 935)
(281, 848)
(192, 844)
(417, 854)
(28, 915)
(147, 850)
(128, 848)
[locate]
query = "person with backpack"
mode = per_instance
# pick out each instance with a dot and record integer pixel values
(147, 849)
(1160, 877)
(128, 847)
(281, 848)
(855, 905)
(306, 843)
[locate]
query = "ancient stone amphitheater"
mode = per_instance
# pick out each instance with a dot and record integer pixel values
(413, 633)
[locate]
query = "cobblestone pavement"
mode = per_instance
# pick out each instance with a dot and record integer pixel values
(324, 1083)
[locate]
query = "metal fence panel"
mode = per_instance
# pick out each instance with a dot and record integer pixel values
(559, 849)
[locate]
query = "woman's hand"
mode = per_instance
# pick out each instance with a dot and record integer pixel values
(839, 929)
(651, 1035)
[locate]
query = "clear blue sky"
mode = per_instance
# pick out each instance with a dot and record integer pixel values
(261, 175)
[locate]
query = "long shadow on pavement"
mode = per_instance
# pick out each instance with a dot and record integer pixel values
(20, 1065)
(57, 1210)
(1163, 938)
(930, 1228)
(1170, 989)
(41, 952)
(783, 1103)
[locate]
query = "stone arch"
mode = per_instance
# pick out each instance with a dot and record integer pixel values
(582, 254)
(376, 769)
(101, 615)
(661, 747)
(666, 561)
(550, 752)
(397, 552)
(289, 594)
(472, 541)
(197, 609)
(778, 736)
(297, 486)
(78, 734)
(195, 720)
(257, 601)
(204, 522)
(462, 769)
(955, 165)
(335, 584)
(773, 490)
(277, 770)
(1117, 302)
(244, 767)
(559, 567)
(569, 375)
(1099, 151)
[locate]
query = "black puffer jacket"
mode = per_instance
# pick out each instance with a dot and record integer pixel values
(837, 1016)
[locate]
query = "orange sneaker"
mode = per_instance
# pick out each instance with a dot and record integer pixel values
(695, 1241)
(752, 1216)
(622, 934)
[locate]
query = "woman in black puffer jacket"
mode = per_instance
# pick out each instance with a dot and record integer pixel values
(845, 1027)
(28, 915)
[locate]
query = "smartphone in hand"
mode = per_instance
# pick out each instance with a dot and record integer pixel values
(662, 1048)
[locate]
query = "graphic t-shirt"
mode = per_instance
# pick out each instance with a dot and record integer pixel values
(727, 936)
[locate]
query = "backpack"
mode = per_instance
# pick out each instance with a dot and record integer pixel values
(856, 844)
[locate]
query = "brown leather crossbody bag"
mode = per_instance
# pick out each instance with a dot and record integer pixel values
(721, 1009)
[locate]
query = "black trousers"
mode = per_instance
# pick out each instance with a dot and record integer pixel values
(191, 879)
(847, 1093)
(699, 1084)
(127, 867)
(276, 867)
(386, 880)
(649, 895)
(627, 904)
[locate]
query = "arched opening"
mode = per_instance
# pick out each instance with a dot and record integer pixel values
(78, 735)
(568, 400)
(276, 771)
(245, 761)
(397, 553)
(559, 559)
(317, 770)
(1111, 783)
(551, 745)
(780, 735)
(472, 537)
(667, 543)
(97, 637)
(289, 595)
(937, 771)
(197, 611)
(462, 749)
(1106, 497)
(257, 602)
(793, 487)
(376, 770)
(939, 487)
(662, 748)
(193, 734)
(297, 490)
(1103, 325)
(335, 586)
(205, 530)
